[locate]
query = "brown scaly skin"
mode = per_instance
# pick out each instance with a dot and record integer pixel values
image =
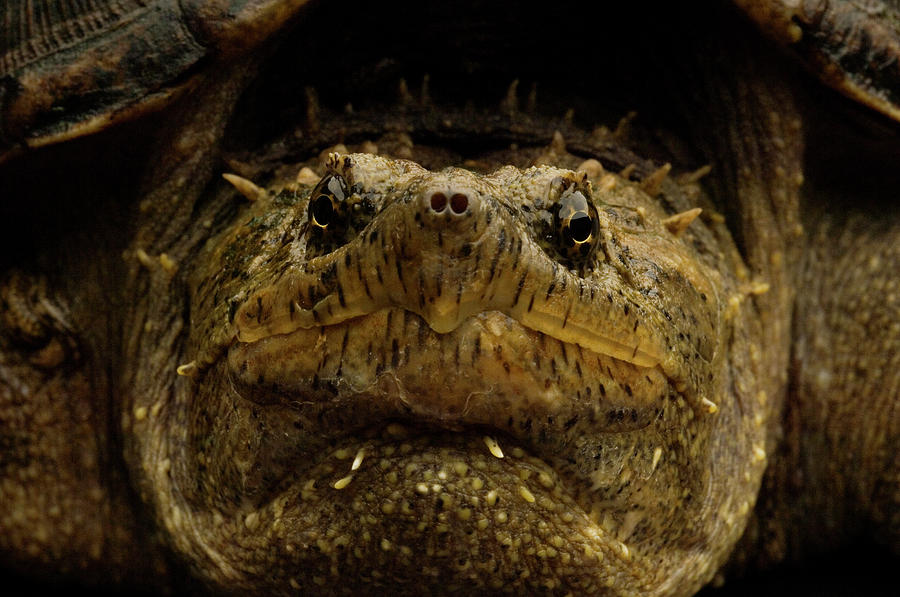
(851, 46)
(429, 478)
(241, 469)
(834, 480)
(73, 69)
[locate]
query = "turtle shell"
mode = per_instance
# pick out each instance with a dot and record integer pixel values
(72, 67)
(852, 45)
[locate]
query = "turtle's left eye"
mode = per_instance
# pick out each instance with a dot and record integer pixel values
(577, 223)
(321, 211)
(326, 205)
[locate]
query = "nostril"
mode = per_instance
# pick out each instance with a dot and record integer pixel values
(459, 203)
(438, 202)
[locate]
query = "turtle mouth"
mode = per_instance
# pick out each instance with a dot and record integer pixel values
(491, 370)
(549, 322)
(545, 318)
(367, 397)
(275, 311)
(468, 442)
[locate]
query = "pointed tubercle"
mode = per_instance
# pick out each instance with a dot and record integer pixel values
(245, 187)
(510, 103)
(187, 370)
(531, 102)
(557, 143)
(425, 95)
(696, 175)
(492, 446)
(676, 224)
(403, 94)
(307, 176)
(652, 185)
(312, 109)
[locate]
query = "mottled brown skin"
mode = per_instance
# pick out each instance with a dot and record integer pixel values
(69, 69)
(371, 361)
(345, 451)
(853, 47)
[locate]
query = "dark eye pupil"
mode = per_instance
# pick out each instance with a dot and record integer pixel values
(580, 227)
(322, 211)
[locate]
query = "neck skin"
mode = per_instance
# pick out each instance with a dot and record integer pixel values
(830, 321)
(847, 376)
(836, 475)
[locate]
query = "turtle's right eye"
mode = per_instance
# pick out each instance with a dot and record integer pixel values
(328, 201)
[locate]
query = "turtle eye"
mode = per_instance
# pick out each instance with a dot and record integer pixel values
(321, 211)
(579, 228)
(327, 201)
(577, 223)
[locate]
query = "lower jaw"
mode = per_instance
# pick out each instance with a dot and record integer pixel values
(440, 513)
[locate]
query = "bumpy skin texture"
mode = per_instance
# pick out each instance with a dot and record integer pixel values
(596, 446)
(852, 46)
(68, 69)
(858, 309)
(345, 384)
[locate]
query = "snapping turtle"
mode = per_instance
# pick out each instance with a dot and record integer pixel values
(450, 346)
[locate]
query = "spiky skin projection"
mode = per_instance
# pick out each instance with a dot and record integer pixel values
(371, 331)
(544, 367)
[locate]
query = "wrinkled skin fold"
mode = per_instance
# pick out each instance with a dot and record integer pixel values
(453, 345)
(355, 378)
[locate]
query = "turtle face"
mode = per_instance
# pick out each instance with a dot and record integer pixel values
(444, 379)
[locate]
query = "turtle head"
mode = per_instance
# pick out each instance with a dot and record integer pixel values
(491, 373)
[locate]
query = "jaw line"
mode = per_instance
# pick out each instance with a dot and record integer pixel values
(541, 322)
